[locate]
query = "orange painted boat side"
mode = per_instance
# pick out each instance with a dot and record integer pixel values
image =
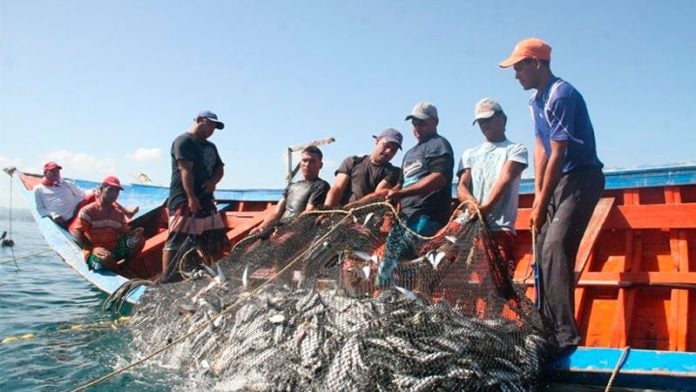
(636, 287)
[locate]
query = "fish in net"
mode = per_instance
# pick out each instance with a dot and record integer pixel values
(307, 308)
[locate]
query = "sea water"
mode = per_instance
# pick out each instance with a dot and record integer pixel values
(42, 296)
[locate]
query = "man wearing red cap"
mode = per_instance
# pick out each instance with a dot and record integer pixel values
(57, 199)
(568, 182)
(102, 232)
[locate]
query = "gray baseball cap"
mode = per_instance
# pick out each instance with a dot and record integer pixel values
(423, 111)
(486, 108)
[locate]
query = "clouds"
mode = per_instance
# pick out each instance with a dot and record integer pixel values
(78, 164)
(145, 154)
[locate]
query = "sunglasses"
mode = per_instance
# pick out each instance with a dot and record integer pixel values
(416, 122)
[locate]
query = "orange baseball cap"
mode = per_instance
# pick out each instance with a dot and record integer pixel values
(530, 48)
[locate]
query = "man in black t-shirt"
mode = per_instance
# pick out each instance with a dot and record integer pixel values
(361, 177)
(196, 170)
(300, 196)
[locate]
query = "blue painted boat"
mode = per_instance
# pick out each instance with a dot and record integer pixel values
(243, 210)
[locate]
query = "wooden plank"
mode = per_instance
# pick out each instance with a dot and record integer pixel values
(636, 278)
(650, 216)
(594, 227)
(679, 298)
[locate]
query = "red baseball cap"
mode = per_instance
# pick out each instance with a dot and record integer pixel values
(530, 48)
(112, 181)
(51, 165)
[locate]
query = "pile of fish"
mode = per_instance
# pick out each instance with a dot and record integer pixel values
(278, 338)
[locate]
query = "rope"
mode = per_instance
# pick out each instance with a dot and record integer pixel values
(38, 252)
(99, 325)
(619, 364)
(348, 214)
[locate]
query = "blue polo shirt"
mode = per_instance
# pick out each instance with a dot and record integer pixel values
(560, 114)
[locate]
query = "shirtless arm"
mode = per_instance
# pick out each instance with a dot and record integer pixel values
(271, 218)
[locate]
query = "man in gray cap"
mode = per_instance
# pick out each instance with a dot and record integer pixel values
(367, 175)
(425, 194)
(426, 182)
(196, 170)
(489, 176)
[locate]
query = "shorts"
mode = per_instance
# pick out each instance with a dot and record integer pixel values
(206, 229)
(123, 250)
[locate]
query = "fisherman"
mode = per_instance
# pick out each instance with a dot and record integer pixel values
(425, 193)
(568, 182)
(102, 232)
(196, 170)
(360, 177)
(60, 200)
(300, 196)
(489, 177)
(56, 198)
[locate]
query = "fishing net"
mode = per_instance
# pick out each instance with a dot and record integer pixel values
(350, 301)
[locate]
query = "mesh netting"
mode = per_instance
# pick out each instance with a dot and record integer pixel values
(351, 301)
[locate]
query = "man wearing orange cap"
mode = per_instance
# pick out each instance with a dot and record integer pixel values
(568, 182)
(102, 232)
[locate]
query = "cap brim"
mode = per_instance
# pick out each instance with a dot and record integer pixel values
(411, 116)
(482, 116)
(509, 62)
(219, 124)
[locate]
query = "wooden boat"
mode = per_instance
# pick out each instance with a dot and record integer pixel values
(243, 210)
(635, 301)
(636, 270)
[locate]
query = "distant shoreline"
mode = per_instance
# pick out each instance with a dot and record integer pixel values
(18, 214)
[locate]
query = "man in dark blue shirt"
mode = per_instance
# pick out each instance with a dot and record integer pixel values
(426, 174)
(568, 182)
(425, 194)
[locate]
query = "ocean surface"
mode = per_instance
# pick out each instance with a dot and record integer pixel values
(55, 336)
(72, 340)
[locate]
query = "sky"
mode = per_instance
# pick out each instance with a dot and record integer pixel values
(104, 87)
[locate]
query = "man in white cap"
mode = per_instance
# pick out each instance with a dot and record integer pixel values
(361, 176)
(196, 170)
(489, 176)
(568, 182)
